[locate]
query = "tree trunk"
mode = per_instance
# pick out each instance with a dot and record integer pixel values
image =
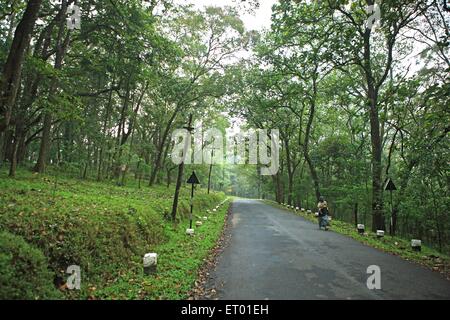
(105, 126)
(168, 178)
(311, 166)
(290, 190)
(274, 183)
(12, 69)
(278, 187)
(61, 47)
(88, 161)
(2, 145)
(45, 143)
(18, 138)
(290, 170)
(138, 170)
(179, 180)
(7, 144)
(160, 149)
(13, 164)
(355, 214)
(209, 176)
(377, 188)
(120, 132)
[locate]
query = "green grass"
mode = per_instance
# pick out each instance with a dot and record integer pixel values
(428, 257)
(178, 263)
(106, 230)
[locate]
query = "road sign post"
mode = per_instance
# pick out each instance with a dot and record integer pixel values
(391, 187)
(193, 180)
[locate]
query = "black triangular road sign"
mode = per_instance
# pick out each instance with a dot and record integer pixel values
(390, 185)
(193, 179)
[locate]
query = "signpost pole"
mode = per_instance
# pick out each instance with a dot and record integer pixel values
(192, 206)
(391, 187)
(392, 214)
(193, 180)
(210, 169)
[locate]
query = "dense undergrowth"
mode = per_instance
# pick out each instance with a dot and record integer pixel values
(105, 229)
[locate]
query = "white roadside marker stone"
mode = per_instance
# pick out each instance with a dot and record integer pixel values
(360, 228)
(150, 261)
(416, 244)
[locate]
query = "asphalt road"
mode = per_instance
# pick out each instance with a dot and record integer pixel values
(273, 254)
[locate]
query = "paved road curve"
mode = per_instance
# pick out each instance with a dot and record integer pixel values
(273, 254)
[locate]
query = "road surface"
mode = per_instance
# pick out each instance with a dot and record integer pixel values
(273, 254)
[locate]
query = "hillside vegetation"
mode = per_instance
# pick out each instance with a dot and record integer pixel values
(106, 230)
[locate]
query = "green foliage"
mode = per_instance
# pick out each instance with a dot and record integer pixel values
(178, 262)
(346, 100)
(318, 72)
(24, 270)
(104, 229)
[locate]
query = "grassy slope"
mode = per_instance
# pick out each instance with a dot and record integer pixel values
(394, 245)
(107, 229)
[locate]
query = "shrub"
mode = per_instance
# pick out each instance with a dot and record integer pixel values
(24, 271)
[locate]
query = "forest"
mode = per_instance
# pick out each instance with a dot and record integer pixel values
(95, 99)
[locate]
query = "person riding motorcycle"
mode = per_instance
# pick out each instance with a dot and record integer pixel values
(323, 213)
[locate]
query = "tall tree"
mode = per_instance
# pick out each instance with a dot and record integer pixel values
(12, 70)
